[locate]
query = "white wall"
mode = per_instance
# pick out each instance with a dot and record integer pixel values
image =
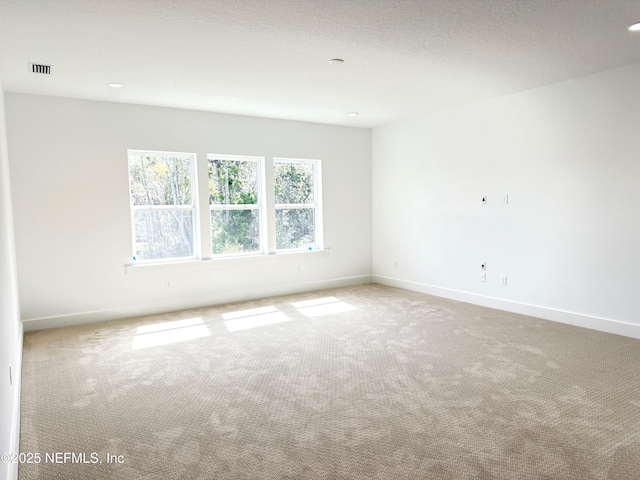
(10, 325)
(71, 206)
(568, 156)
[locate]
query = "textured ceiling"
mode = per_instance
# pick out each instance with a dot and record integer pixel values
(270, 57)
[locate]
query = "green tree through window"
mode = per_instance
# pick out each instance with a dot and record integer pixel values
(164, 205)
(163, 211)
(234, 199)
(296, 185)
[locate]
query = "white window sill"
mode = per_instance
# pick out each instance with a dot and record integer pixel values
(225, 261)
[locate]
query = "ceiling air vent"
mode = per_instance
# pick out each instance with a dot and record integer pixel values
(40, 68)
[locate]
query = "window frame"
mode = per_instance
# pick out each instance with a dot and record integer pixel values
(195, 242)
(260, 205)
(316, 205)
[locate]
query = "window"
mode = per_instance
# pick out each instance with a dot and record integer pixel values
(163, 209)
(235, 201)
(297, 199)
(174, 215)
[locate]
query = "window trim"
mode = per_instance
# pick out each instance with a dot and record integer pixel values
(193, 208)
(318, 243)
(200, 197)
(227, 262)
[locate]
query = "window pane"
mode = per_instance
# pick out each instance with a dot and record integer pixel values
(295, 228)
(233, 182)
(293, 182)
(160, 179)
(163, 234)
(235, 231)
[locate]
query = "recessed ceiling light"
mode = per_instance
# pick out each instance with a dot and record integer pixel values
(353, 114)
(634, 28)
(114, 85)
(336, 61)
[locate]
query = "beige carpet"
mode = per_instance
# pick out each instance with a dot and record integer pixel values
(374, 383)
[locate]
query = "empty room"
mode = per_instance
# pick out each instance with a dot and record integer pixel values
(358, 239)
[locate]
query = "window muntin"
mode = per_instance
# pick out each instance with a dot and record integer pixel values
(297, 206)
(236, 205)
(163, 212)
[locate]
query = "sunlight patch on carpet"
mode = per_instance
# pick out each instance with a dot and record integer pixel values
(319, 307)
(254, 317)
(169, 332)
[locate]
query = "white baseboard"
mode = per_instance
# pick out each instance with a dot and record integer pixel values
(580, 320)
(15, 428)
(188, 303)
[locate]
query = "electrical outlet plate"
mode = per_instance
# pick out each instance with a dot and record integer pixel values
(503, 279)
(505, 198)
(483, 277)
